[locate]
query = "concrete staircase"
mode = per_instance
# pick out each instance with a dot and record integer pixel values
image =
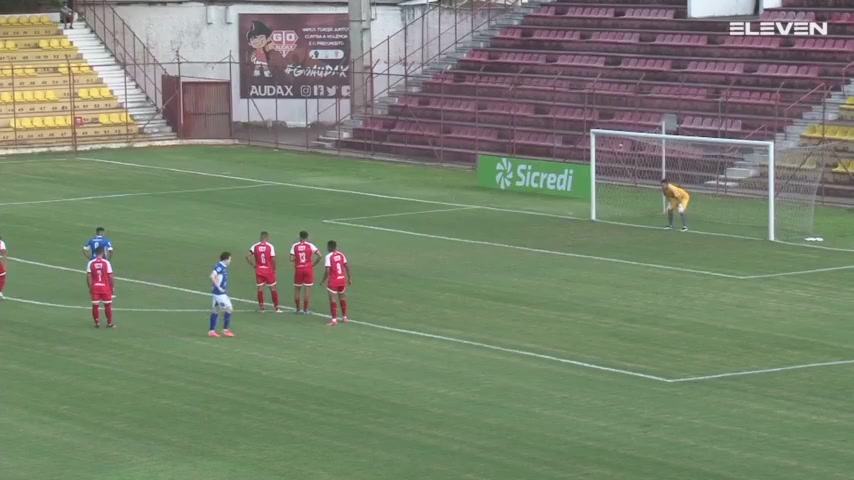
(140, 107)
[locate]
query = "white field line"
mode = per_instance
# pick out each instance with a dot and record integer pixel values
(384, 327)
(403, 214)
(801, 272)
(759, 372)
(696, 232)
(38, 160)
(137, 194)
(821, 247)
(117, 309)
(535, 250)
(328, 189)
(435, 202)
(449, 339)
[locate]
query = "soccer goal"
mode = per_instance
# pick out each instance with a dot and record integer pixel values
(738, 188)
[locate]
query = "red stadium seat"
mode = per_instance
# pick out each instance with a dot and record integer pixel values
(787, 15)
(650, 13)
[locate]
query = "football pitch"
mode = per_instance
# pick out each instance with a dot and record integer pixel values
(494, 336)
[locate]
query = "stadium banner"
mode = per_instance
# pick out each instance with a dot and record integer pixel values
(534, 176)
(294, 56)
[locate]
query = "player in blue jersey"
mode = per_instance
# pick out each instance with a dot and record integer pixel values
(99, 240)
(96, 242)
(221, 302)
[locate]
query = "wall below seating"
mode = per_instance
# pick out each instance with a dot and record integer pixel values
(208, 33)
(721, 8)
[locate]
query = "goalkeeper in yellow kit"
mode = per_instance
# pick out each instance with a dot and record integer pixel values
(677, 199)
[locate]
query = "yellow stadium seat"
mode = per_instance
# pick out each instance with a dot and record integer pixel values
(63, 69)
(30, 71)
(5, 72)
(44, 44)
(39, 96)
(106, 93)
(812, 131)
(84, 94)
(844, 166)
(4, 20)
(6, 97)
(26, 123)
(2, 45)
(29, 97)
(65, 43)
(10, 45)
(85, 69)
(38, 122)
(95, 92)
(45, 20)
(837, 133)
(126, 118)
(104, 119)
(49, 122)
(60, 121)
(19, 72)
(53, 43)
(24, 20)
(50, 96)
(75, 69)
(12, 123)
(114, 118)
(19, 97)
(18, 124)
(13, 20)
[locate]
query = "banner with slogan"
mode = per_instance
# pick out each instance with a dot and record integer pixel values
(534, 176)
(294, 55)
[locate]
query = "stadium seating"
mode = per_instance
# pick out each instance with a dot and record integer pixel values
(540, 84)
(48, 91)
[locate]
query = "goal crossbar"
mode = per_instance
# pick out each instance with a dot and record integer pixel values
(663, 138)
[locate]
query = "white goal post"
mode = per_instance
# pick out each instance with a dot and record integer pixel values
(738, 188)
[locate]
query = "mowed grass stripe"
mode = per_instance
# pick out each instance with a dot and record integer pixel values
(293, 399)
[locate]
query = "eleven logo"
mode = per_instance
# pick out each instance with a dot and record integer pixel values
(504, 173)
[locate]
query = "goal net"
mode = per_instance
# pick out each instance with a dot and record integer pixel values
(738, 188)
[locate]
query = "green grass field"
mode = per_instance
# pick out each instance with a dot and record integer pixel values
(493, 339)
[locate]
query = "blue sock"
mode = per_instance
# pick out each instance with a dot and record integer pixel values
(227, 320)
(214, 316)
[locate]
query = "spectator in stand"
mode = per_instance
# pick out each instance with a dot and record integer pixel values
(66, 14)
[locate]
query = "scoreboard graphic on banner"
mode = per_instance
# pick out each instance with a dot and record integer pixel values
(294, 56)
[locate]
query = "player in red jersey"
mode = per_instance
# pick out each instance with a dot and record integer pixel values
(338, 274)
(304, 256)
(3, 260)
(99, 276)
(262, 256)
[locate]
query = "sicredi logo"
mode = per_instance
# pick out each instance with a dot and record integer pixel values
(503, 173)
(526, 175)
(755, 29)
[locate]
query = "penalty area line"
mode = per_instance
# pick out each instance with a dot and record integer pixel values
(800, 272)
(402, 214)
(761, 371)
(535, 250)
(117, 309)
(136, 194)
(384, 327)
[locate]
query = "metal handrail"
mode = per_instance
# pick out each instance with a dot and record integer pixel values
(119, 48)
